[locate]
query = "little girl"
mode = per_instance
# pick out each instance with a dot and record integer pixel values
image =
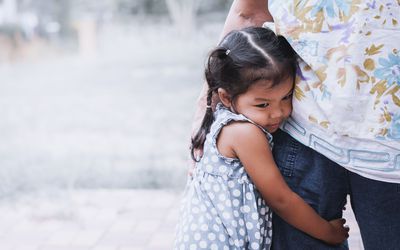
(252, 72)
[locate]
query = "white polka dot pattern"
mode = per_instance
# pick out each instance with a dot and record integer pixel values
(221, 209)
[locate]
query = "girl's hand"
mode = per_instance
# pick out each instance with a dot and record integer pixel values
(339, 232)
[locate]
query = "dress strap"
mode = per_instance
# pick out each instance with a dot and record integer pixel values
(223, 116)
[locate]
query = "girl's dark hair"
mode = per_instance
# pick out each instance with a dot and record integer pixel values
(242, 58)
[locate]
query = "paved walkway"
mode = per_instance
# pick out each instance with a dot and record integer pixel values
(99, 220)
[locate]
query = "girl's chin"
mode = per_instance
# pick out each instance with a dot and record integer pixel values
(272, 129)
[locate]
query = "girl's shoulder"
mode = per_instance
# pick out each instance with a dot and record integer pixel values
(238, 123)
(230, 129)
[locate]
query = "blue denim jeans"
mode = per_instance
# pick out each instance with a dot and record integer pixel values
(324, 185)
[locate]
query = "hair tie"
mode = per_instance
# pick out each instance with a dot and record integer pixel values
(227, 52)
(208, 106)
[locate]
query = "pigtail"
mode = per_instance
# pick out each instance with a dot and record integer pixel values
(200, 137)
(213, 71)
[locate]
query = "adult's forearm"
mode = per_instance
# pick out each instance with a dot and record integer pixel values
(245, 13)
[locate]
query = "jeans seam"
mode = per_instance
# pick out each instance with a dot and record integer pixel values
(289, 167)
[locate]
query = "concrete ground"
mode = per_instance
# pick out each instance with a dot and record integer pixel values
(100, 220)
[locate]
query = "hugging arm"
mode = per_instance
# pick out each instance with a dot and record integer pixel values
(250, 145)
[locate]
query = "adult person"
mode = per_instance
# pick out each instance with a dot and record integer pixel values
(344, 133)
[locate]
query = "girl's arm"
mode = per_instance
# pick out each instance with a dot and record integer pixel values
(248, 143)
(243, 13)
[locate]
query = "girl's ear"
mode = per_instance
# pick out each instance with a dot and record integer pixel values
(224, 97)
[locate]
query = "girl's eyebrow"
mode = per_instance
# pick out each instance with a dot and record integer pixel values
(264, 99)
(261, 99)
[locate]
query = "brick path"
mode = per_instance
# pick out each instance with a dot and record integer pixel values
(99, 220)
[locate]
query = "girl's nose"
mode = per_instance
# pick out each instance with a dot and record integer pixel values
(277, 112)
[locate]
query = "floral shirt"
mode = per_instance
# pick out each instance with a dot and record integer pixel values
(347, 96)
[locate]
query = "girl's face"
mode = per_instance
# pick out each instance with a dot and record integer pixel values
(267, 106)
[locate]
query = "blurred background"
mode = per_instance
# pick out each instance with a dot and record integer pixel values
(96, 103)
(100, 93)
(97, 99)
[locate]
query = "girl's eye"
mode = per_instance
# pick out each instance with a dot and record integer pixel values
(263, 105)
(288, 97)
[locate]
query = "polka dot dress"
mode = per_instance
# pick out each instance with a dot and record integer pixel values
(221, 208)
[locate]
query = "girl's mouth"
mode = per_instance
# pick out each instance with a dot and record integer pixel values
(274, 126)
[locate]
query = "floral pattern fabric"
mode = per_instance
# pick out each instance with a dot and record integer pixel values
(347, 96)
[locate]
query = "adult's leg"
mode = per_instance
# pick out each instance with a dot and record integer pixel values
(376, 206)
(319, 181)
